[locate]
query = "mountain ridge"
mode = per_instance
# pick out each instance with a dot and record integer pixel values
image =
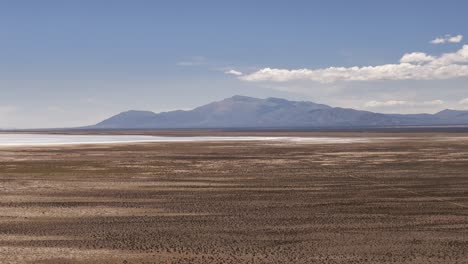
(250, 112)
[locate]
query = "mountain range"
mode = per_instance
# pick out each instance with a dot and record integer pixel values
(248, 112)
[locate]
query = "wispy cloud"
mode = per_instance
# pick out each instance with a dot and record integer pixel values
(392, 103)
(193, 61)
(233, 72)
(447, 39)
(412, 66)
(464, 101)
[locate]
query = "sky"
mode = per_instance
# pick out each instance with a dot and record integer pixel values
(67, 63)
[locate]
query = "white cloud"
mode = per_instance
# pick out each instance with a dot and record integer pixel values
(416, 57)
(434, 102)
(390, 103)
(456, 39)
(233, 72)
(464, 101)
(414, 66)
(448, 39)
(438, 41)
(385, 103)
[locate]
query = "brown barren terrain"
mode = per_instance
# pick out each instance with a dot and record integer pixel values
(402, 201)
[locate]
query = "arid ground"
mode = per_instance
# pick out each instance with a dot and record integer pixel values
(398, 201)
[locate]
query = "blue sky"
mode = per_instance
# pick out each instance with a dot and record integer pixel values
(71, 63)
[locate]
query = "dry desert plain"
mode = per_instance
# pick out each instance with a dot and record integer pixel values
(401, 200)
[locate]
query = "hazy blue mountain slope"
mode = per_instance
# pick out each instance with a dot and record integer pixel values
(243, 111)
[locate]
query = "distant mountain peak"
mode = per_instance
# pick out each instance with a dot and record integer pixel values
(277, 100)
(242, 98)
(131, 112)
(450, 111)
(454, 115)
(241, 111)
(445, 110)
